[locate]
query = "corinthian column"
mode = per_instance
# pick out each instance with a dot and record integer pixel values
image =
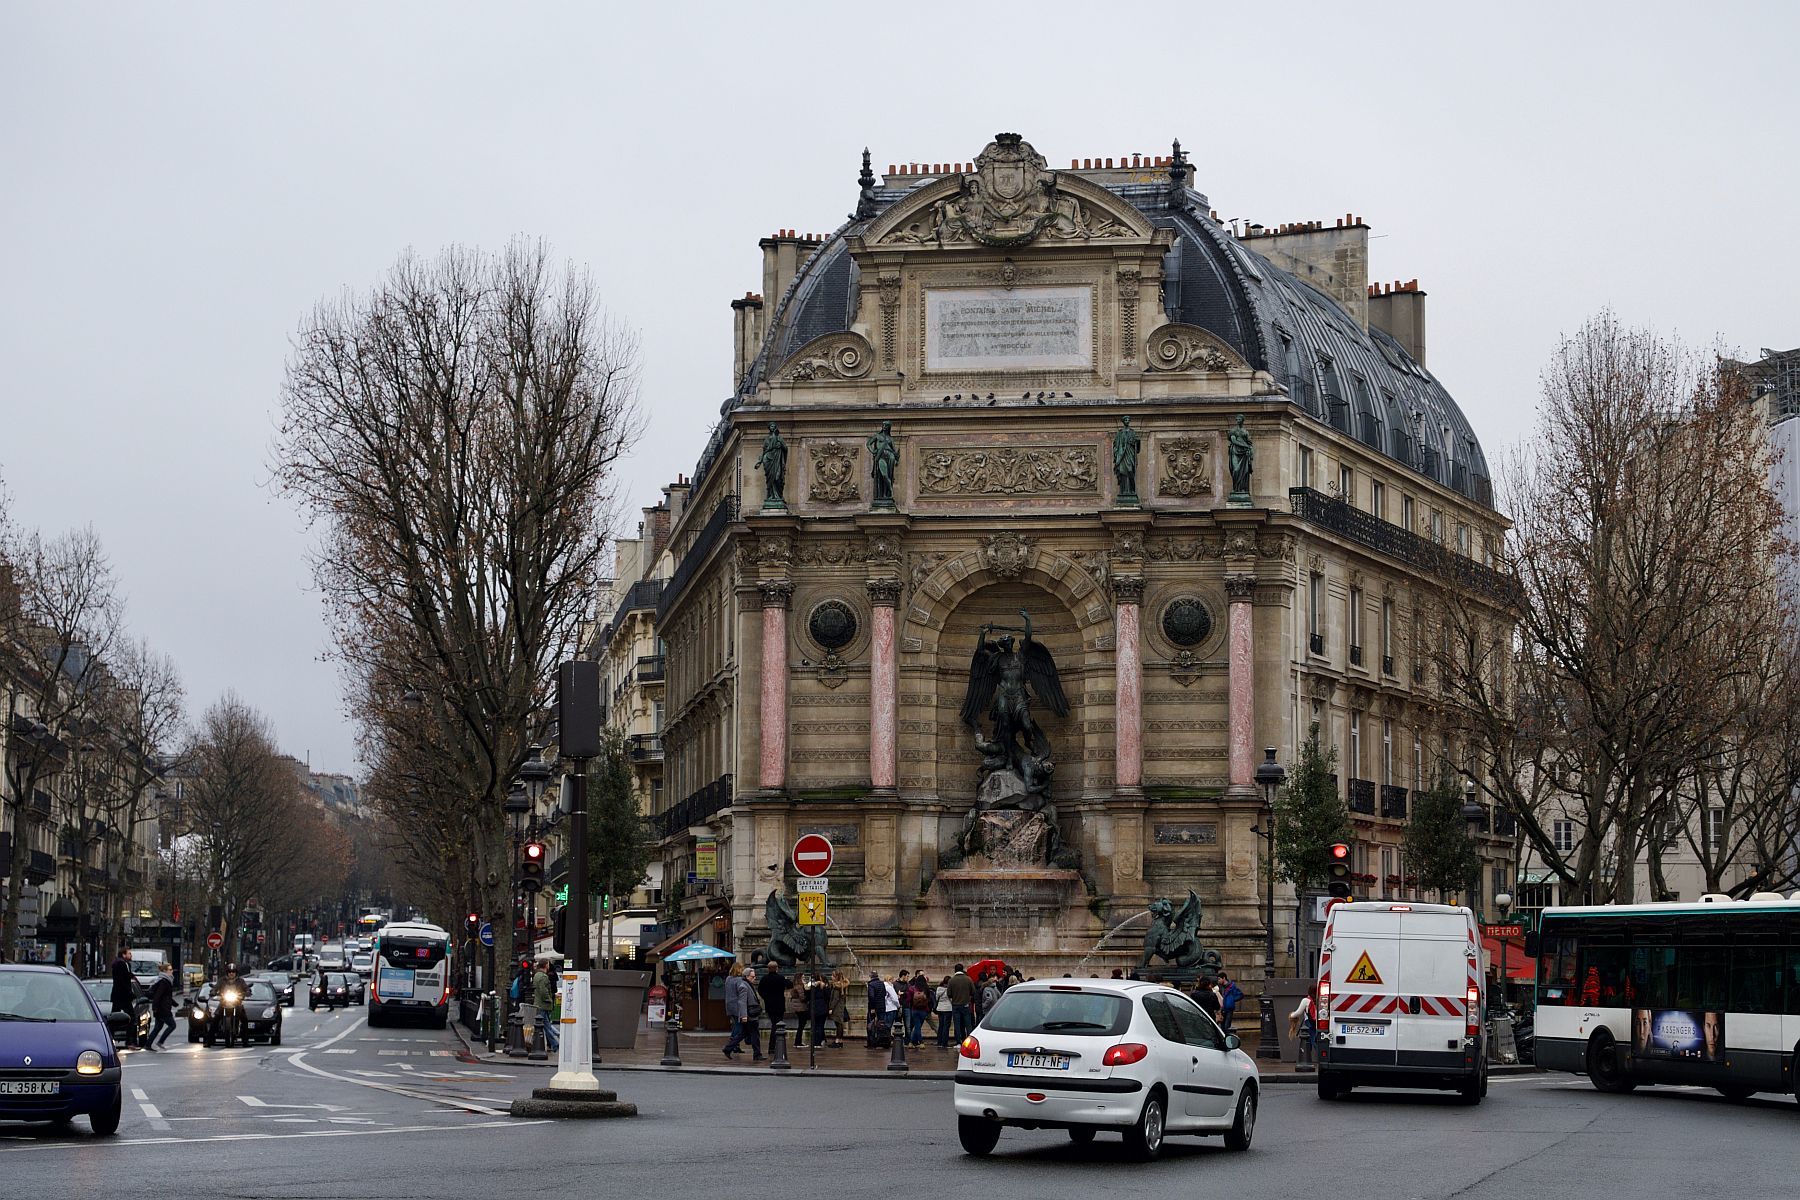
(1128, 684)
(884, 684)
(775, 595)
(1240, 590)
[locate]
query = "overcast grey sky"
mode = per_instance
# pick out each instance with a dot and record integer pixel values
(182, 182)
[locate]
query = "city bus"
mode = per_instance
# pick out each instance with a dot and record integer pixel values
(412, 975)
(1704, 994)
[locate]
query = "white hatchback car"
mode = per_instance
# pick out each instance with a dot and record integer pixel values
(1086, 1055)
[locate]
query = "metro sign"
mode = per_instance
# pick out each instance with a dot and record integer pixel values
(813, 855)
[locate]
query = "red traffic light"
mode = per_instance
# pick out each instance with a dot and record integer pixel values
(534, 851)
(1337, 870)
(474, 918)
(1339, 850)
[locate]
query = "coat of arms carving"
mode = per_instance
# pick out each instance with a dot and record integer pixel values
(1006, 554)
(1008, 200)
(834, 475)
(1184, 467)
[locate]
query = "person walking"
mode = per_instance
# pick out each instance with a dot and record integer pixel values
(737, 1008)
(918, 1007)
(753, 1012)
(840, 1007)
(162, 1006)
(944, 1009)
(543, 997)
(818, 1006)
(1207, 999)
(962, 1002)
(1300, 1028)
(773, 988)
(877, 1019)
(990, 994)
(1230, 996)
(124, 992)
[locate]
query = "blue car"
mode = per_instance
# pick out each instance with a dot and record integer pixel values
(57, 1060)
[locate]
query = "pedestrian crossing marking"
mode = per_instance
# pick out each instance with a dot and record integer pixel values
(1364, 971)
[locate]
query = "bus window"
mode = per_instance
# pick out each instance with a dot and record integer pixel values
(1556, 967)
(1700, 977)
(1793, 983)
(1756, 979)
(1654, 970)
(1605, 979)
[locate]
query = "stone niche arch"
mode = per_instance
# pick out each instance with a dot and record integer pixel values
(1070, 614)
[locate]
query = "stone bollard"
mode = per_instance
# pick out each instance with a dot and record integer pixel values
(515, 1034)
(538, 1041)
(897, 1058)
(778, 1058)
(594, 1033)
(671, 1040)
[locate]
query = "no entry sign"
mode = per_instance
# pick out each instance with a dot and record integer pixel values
(812, 855)
(214, 940)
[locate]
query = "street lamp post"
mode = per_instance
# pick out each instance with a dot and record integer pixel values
(1473, 812)
(1270, 777)
(1503, 902)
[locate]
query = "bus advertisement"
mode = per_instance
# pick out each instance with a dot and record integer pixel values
(412, 975)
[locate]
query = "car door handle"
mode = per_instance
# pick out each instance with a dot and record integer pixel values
(1196, 1060)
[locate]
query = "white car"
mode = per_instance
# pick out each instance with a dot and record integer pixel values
(363, 964)
(1086, 1055)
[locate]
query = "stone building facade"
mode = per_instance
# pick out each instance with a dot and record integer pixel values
(1001, 323)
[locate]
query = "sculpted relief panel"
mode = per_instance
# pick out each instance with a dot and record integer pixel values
(1009, 471)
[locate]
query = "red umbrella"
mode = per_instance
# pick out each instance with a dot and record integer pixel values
(987, 966)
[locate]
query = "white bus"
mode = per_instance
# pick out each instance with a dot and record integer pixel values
(1705, 994)
(412, 975)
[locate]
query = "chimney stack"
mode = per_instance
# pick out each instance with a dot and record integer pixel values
(746, 334)
(1399, 312)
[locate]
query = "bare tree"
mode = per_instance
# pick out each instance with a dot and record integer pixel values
(454, 432)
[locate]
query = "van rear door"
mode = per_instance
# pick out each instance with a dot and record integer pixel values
(1433, 983)
(1365, 963)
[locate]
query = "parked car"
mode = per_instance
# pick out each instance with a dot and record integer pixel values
(47, 1016)
(122, 1025)
(192, 975)
(336, 989)
(1093, 1055)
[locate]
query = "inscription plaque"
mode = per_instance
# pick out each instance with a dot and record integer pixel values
(1028, 328)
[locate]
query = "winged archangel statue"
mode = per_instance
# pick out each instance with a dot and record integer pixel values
(1004, 677)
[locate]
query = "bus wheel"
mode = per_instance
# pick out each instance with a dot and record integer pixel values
(1606, 1064)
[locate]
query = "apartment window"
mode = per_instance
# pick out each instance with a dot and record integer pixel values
(1501, 882)
(1562, 835)
(1715, 830)
(1315, 613)
(1353, 627)
(1346, 485)
(1418, 762)
(1387, 637)
(1306, 467)
(1437, 526)
(656, 795)
(1406, 513)
(1356, 758)
(1387, 752)
(1462, 539)
(1387, 870)
(1378, 498)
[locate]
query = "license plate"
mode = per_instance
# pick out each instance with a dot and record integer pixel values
(1038, 1062)
(1363, 1027)
(16, 1088)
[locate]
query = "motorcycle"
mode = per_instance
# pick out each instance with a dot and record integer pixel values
(228, 1022)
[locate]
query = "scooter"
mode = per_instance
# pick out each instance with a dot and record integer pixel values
(228, 1023)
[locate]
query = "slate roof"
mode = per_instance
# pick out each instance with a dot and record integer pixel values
(1356, 380)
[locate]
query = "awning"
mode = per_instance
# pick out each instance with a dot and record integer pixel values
(1518, 966)
(667, 944)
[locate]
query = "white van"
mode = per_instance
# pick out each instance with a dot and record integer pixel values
(1400, 999)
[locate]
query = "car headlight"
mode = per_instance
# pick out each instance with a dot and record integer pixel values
(268, 1012)
(90, 1063)
(199, 1014)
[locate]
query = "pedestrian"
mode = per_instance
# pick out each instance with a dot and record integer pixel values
(962, 1001)
(893, 1003)
(818, 1007)
(798, 997)
(773, 988)
(877, 1019)
(543, 998)
(162, 1006)
(737, 1008)
(918, 1007)
(990, 993)
(1230, 996)
(753, 1012)
(124, 993)
(1300, 1028)
(840, 1007)
(1207, 999)
(1118, 973)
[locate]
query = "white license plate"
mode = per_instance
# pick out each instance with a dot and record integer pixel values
(1363, 1027)
(16, 1088)
(1038, 1062)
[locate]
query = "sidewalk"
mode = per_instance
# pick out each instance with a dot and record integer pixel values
(702, 1054)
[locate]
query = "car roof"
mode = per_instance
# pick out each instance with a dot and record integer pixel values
(37, 968)
(1089, 983)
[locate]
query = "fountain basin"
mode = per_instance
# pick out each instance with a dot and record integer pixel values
(1006, 892)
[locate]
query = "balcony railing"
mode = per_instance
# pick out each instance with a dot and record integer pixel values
(650, 668)
(41, 802)
(714, 797)
(1362, 796)
(1393, 801)
(646, 747)
(1356, 656)
(639, 597)
(1367, 529)
(722, 515)
(1316, 643)
(1387, 664)
(1506, 824)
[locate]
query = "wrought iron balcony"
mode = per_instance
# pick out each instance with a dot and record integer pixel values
(1387, 664)
(650, 668)
(41, 802)
(697, 807)
(1367, 529)
(723, 514)
(1393, 801)
(1316, 643)
(641, 596)
(1362, 796)
(1506, 824)
(646, 747)
(1356, 656)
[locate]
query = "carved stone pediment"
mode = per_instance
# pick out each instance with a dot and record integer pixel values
(836, 356)
(1178, 347)
(1012, 198)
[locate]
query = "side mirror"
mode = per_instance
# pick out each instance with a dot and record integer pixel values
(1532, 945)
(1233, 1041)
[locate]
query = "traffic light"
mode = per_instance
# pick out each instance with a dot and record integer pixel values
(473, 921)
(559, 921)
(1337, 869)
(531, 867)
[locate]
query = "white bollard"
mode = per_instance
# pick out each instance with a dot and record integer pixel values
(574, 1065)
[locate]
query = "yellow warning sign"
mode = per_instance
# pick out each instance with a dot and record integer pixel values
(812, 908)
(1364, 971)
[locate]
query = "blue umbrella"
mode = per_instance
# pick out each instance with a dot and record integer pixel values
(697, 950)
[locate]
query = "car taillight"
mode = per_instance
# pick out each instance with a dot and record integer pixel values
(1322, 1006)
(1473, 1019)
(1124, 1054)
(970, 1048)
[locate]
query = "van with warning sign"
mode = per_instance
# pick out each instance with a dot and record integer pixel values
(1400, 1000)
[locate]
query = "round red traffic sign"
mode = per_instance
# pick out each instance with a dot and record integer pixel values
(214, 940)
(812, 855)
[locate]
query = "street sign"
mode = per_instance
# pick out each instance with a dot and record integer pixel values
(812, 886)
(214, 940)
(487, 933)
(812, 855)
(812, 908)
(28, 911)
(1503, 931)
(706, 858)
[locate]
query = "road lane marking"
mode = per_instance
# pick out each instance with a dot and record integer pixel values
(299, 1060)
(90, 1145)
(139, 1094)
(253, 1102)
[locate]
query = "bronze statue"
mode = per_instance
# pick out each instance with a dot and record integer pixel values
(773, 461)
(884, 458)
(1125, 460)
(1174, 937)
(1002, 681)
(790, 942)
(1241, 459)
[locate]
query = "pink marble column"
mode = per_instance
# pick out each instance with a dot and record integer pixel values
(1240, 590)
(775, 595)
(884, 684)
(1128, 684)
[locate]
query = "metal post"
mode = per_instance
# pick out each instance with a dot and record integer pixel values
(778, 1056)
(671, 1042)
(575, 921)
(1270, 776)
(897, 1056)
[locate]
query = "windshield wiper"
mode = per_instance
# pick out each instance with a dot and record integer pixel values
(21, 1017)
(1047, 1026)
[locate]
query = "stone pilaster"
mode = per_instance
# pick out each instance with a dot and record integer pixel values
(1128, 739)
(884, 684)
(1240, 591)
(774, 710)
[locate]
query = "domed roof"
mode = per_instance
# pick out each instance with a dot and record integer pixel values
(1356, 380)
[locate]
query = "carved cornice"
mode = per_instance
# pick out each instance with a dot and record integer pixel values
(884, 593)
(775, 592)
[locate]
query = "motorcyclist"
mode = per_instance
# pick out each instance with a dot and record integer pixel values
(232, 980)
